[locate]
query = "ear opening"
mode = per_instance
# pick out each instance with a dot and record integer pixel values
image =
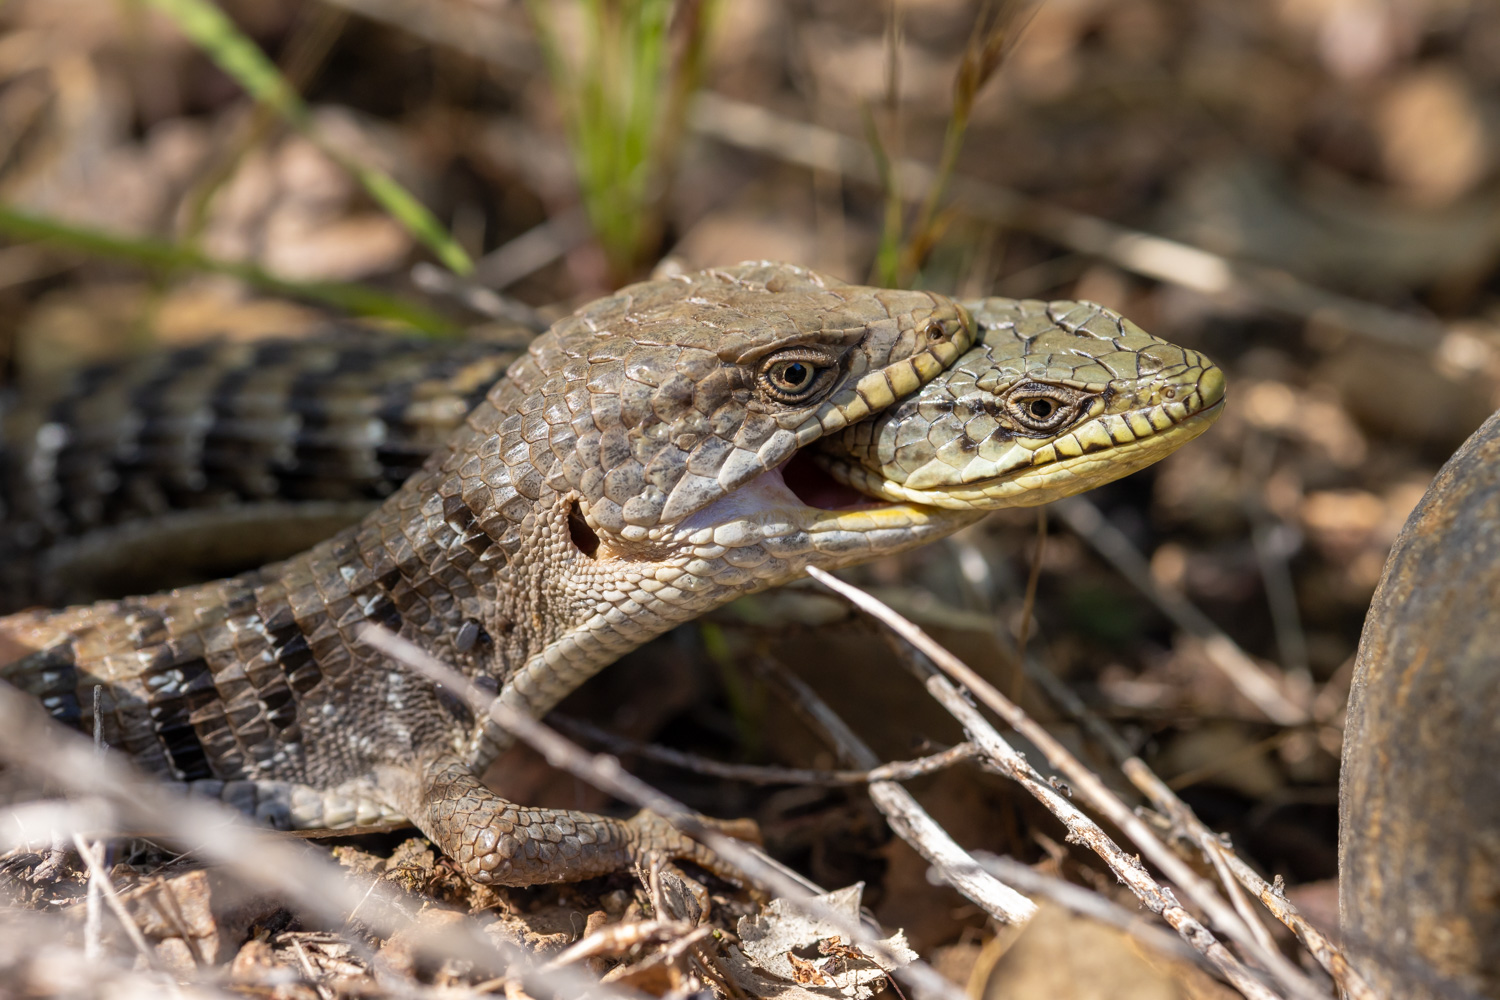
(584, 538)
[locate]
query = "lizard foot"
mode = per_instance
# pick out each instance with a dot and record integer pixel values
(499, 842)
(653, 835)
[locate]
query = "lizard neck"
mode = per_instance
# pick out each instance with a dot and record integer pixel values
(488, 567)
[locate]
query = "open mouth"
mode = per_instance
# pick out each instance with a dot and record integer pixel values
(802, 493)
(815, 487)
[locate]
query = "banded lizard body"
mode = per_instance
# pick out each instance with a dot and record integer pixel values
(180, 466)
(657, 454)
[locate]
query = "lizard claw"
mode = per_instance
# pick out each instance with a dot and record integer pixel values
(653, 835)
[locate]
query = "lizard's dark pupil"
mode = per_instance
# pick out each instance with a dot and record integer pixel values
(1041, 408)
(796, 374)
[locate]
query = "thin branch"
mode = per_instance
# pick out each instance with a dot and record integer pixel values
(897, 770)
(1191, 828)
(1088, 903)
(1269, 535)
(1187, 822)
(976, 569)
(309, 974)
(1096, 794)
(1216, 856)
(913, 824)
(1028, 604)
(487, 302)
(37, 959)
(614, 939)
(534, 249)
(1160, 900)
(93, 858)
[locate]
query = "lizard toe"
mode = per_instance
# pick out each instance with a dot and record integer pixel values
(652, 835)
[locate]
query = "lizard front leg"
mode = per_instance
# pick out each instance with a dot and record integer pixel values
(499, 842)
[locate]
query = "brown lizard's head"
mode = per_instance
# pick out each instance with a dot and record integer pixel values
(642, 464)
(671, 415)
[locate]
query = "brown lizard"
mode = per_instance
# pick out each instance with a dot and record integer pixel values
(658, 453)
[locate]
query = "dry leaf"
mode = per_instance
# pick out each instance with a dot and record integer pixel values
(792, 946)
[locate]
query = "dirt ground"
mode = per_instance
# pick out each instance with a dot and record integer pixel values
(1306, 190)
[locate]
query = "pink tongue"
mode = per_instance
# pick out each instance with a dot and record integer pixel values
(815, 487)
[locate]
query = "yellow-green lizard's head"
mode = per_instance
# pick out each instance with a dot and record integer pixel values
(1054, 398)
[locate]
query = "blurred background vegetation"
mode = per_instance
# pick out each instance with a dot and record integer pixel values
(1305, 189)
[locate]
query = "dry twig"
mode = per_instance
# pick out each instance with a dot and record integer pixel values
(435, 280)
(1088, 903)
(533, 250)
(92, 853)
(36, 952)
(1093, 791)
(896, 770)
(953, 865)
(1190, 828)
(1270, 537)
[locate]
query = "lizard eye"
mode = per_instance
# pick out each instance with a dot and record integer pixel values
(794, 377)
(1043, 408)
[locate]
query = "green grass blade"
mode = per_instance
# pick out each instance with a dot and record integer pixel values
(887, 270)
(165, 255)
(238, 56)
(624, 102)
(410, 212)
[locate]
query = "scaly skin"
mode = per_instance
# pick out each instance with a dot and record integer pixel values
(185, 465)
(626, 476)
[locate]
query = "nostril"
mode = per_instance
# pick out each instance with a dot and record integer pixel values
(584, 538)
